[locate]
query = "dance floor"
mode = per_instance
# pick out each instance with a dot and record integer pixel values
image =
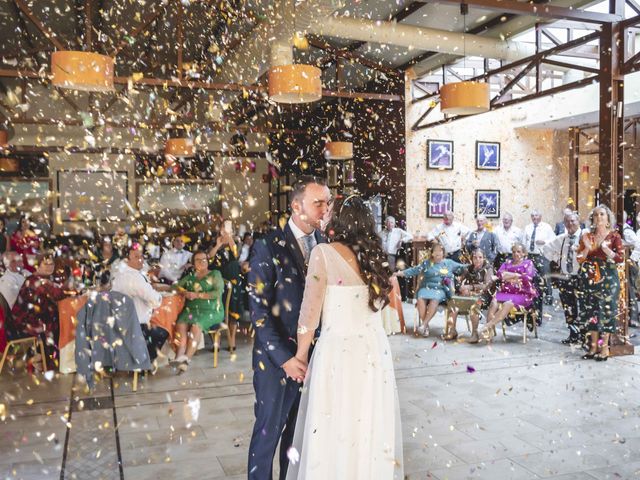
(506, 411)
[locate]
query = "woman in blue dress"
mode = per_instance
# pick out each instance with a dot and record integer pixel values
(436, 286)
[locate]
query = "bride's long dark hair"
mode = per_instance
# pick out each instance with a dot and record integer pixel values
(353, 225)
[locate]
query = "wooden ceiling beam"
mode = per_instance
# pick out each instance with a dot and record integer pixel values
(146, 22)
(46, 31)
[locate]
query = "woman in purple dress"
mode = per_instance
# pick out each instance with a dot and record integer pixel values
(516, 289)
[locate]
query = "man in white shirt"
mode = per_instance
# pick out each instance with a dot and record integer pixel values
(632, 240)
(129, 280)
(536, 235)
(11, 282)
(245, 250)
(174, 261)
(564, 250)
(507, 234)
(392, 238)
(451, 235)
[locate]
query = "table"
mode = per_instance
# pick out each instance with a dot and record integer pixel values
(164, 316)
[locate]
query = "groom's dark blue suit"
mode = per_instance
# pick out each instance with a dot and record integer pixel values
(276, 281)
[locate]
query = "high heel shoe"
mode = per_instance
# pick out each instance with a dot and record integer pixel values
(588, 356)
(601, 357)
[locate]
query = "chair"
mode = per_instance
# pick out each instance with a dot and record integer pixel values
(532, 314)
(35, 342)
(216, 333)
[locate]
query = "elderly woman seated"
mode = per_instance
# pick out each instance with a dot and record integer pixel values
(436, 286)
(203, 310)
(474, 284)
(517, 288)
(35, 312)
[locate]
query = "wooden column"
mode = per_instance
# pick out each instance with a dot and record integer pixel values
(574, 173)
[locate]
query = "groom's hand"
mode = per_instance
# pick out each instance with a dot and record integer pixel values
(295, 369)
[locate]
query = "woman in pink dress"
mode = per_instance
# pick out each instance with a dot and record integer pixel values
(26, 243)
(516, 289)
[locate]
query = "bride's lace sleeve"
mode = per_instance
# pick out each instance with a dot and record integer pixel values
(314, 290)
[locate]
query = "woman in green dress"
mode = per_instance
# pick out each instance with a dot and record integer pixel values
(203, 308)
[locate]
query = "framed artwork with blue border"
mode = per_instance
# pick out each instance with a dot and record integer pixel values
(440, 154)
(439, 201)
(488, 203)
(487, 155)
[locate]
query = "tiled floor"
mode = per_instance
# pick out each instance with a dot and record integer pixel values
(520, 412)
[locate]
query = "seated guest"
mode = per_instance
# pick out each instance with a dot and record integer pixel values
(35, 312)
(600, 251)
(203, 309)
(483, 239)
(11, 281)
(563, 251)
(174, 261)
(105, 258)
(436, 286)
(475, 281)
(130, 281)
(516, 288)
(25, 241)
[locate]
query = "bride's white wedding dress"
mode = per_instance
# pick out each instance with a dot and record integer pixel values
(348, 425)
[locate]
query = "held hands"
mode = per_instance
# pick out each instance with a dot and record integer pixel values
(295, 369)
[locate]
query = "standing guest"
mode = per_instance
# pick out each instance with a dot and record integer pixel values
(277, 280)
(536, 235)
(436, 286)
(631, 240)
(506, 234)
(174, 261)
(475, 281)
(392, 238)
(560, 226)
(224, 257)
(483, 239)
(11, 282)
(35, 312)
(25, 241)
(451, 235)
(204, 308)
(563, 251)
(516, 288)
(600, 252)
(129, 280)
(5, 242)
(245, 251)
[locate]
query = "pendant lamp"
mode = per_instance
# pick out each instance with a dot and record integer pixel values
(466, 97)
(180, 147)
(338, 150)
(296, 83)
(87, 71)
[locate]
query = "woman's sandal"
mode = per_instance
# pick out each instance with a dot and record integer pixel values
(450, 336)
(588, 356)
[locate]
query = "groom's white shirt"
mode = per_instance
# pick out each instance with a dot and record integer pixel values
(298, 234)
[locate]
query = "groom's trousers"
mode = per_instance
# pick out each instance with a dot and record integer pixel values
(276, 409)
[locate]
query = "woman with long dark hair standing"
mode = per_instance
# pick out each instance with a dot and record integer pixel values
(348, 423)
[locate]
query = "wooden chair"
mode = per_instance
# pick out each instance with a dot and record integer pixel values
(525, 315)
(35, 342)
(216, 334)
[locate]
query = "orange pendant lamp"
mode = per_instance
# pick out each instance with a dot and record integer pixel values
(296, 83)
(87, 71)
(180, 147)
(464, 98)
(338, 150)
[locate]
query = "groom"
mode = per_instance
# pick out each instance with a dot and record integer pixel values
(277, 277)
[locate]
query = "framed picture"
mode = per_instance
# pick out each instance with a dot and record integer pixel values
(488, 203)
(439, 201)
(487, 155)
(440, 154)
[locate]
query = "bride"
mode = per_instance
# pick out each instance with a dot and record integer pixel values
(348, 425)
